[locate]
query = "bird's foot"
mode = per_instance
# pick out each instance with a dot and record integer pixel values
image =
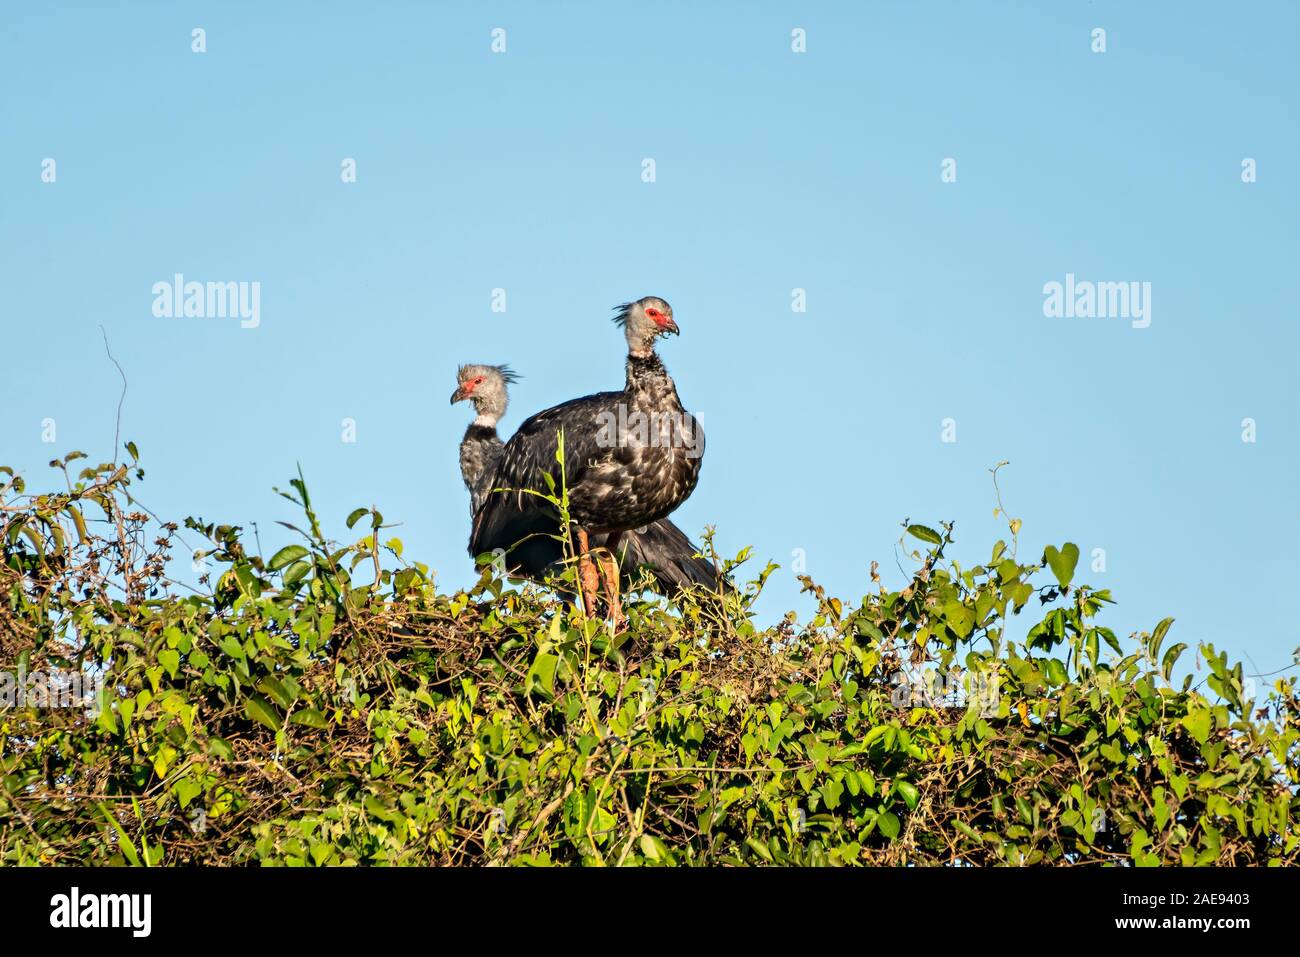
(588, 577)
(609, 572)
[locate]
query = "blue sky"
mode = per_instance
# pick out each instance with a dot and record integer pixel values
(775, 170)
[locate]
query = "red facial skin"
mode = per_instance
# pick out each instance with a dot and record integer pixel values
(662, 320)
(466, 389)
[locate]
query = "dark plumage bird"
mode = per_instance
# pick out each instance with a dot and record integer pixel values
(487, 387)
(661, 548)
(630, 458)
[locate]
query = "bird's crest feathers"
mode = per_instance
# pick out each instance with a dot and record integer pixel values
(506, 373)
(622, 310)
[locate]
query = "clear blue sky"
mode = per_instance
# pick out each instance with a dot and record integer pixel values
(775, 170)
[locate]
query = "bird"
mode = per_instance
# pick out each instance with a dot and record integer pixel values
(630, 458)
(673, 562)
(487, 387)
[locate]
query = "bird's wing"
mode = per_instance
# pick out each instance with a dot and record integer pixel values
(479, 464)
(671, 557)
(510, 513)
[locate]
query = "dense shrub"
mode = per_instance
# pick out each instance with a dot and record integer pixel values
(327, 705)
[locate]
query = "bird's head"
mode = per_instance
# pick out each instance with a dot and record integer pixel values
(486, 386)
(643, 322)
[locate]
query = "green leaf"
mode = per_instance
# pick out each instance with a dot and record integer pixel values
(123, 841)
(925, 534)
(1161, 808)
(355, 516)
(107, 720)
(960, 618)
(296, 573)
(276, 691)
(169, 659)
(1198, 724)
(286, 556)
(380, 810)
(966, 829)
(1180, 783)
(1110, 638)
(1158, 636)
(310, 717)
(909, 793)
(1171, 659)
(1062, 562)
(186, 790)
(261, 711)
(542, 673)
(649, 847)
(889, 824)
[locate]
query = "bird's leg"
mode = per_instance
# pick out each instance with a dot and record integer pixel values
(609, 566)
(587, 577)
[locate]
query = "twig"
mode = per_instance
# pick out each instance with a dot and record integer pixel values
(117, 427)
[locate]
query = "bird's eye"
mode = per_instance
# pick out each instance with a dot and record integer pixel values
(478, 381)
(652, 313)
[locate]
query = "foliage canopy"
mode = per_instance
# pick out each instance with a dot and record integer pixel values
(328, 705)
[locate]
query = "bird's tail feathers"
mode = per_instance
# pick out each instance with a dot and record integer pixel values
(671, 558)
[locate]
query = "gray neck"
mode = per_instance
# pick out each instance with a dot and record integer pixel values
(648, 381)
(480, 451)
(640, 342)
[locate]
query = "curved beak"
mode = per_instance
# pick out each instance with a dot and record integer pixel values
(670, 327)
(458, 395)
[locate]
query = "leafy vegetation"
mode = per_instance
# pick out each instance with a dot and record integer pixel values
(327, 705)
